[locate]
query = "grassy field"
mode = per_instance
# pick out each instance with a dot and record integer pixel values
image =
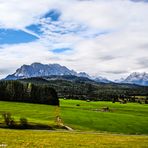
(47, 139)
(36, 113)
(86, 118)
(128, 118)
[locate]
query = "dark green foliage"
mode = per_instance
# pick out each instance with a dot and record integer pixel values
(9, 121)
(27, 92)
(45, 94)
(89, 90)
(139, 102)
(23, 123)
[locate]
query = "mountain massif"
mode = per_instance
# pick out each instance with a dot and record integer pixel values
(137, 78)
(47, 70)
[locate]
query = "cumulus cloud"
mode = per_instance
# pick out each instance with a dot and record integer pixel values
(106, 38)
(19, 14)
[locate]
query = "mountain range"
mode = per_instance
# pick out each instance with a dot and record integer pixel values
(137, 78)
(46, 70)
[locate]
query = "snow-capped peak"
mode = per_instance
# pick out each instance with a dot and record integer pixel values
(137, 78)
(42, 70)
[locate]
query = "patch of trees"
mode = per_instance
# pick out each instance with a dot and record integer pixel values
(100, 92)
(82, 90)
(27, 92)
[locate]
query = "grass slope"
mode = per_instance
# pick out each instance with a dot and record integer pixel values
(40, 139)
(128, 118)
(37, 113)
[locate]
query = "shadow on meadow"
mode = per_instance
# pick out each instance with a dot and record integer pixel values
(23, 123)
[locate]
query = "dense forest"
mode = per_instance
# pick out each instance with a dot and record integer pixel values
(43, 90)
(27, 92)
(83, 89)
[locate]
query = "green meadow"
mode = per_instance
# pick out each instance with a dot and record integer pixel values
(130, 118)
(122, 126)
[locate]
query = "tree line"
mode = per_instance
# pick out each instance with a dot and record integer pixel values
(99, 92)
(27, 92)
(81, 90)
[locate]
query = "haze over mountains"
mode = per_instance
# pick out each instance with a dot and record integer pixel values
(137, 78)
(45, 70)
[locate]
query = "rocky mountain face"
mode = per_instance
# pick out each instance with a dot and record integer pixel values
(119, 80)
(137, 78)
(45, 70)
(102, 79)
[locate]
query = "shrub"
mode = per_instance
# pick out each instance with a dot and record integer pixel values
(146, 101)
(139, 102)
(9, 121)
(23, 122)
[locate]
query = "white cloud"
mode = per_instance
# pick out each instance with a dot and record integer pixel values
(118, 50)
(18, 14)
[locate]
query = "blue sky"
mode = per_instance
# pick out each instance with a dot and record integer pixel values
(14, 36)
(9, 36)
(107, 38)
(60, 50)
